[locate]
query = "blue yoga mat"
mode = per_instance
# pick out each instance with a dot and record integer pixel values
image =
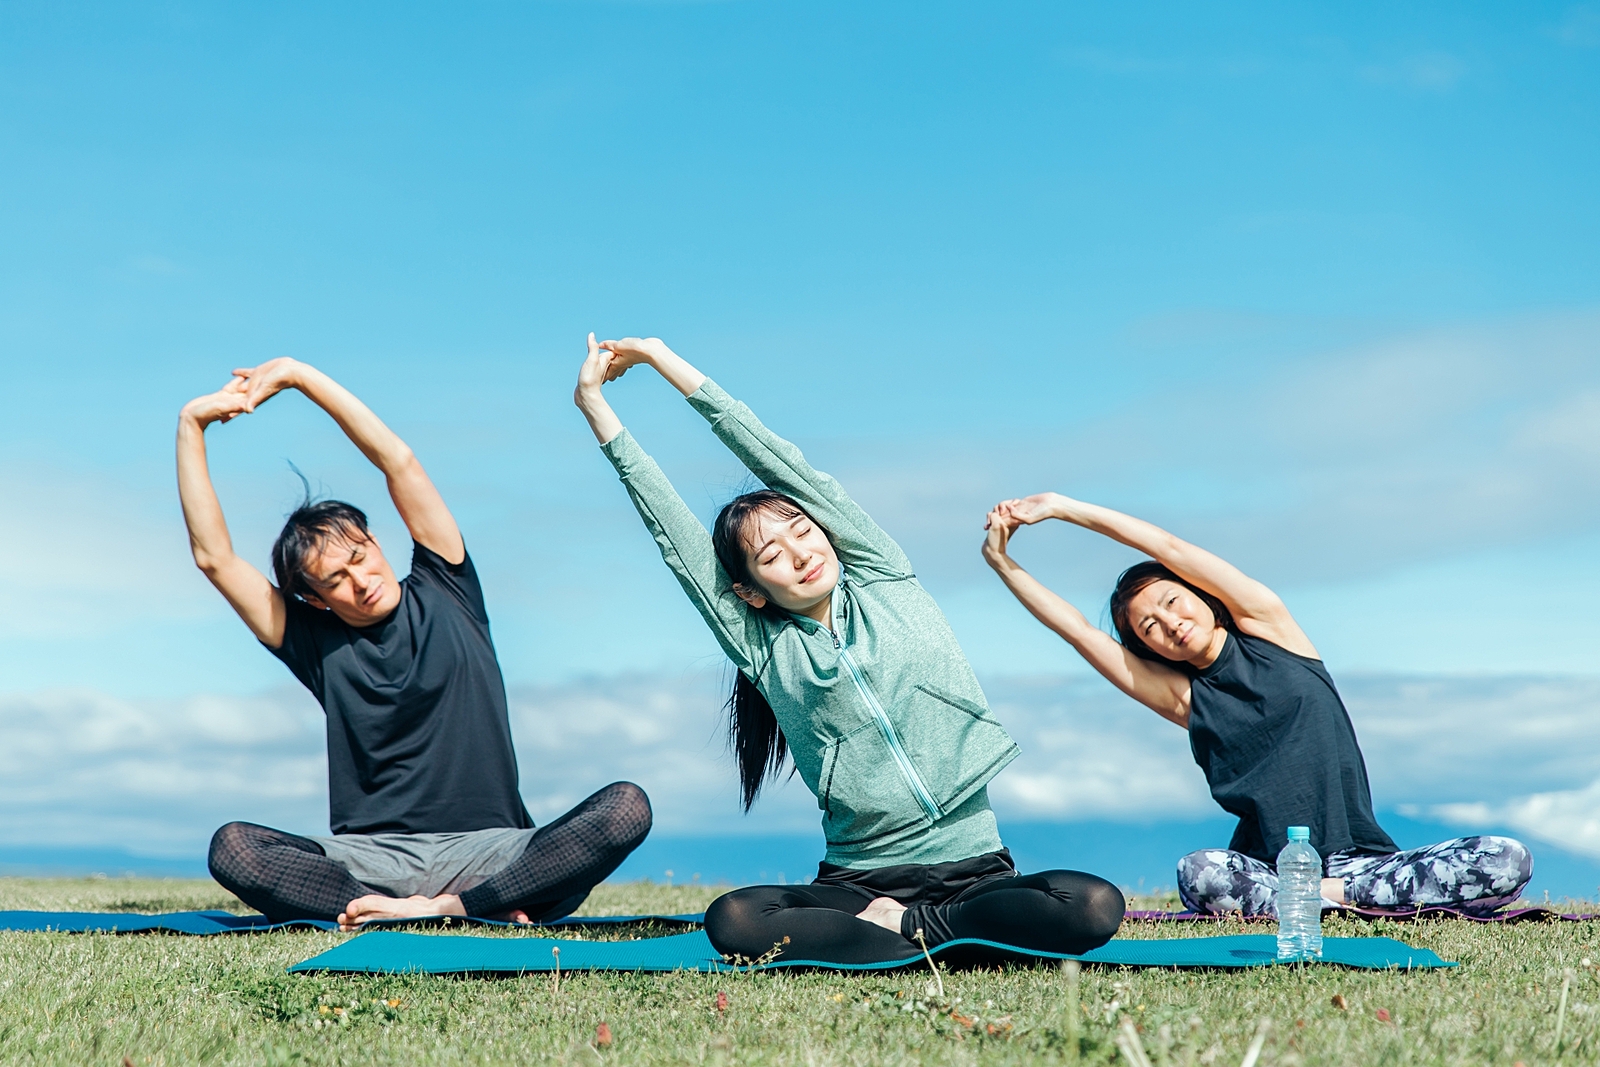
(223, 922)
(390, 952)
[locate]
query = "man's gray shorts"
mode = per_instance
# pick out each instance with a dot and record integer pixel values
(407, 865)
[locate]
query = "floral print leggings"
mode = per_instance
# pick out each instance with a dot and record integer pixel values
(1475, 874)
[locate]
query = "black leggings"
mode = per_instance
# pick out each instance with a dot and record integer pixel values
(285, 877)
(1053, 911)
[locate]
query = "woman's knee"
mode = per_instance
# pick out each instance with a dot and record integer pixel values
(1194, 865)
(1097, 906)
(1507, 861)
(733, 919)
(1103, 906)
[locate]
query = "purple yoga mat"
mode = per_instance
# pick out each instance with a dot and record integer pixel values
(1508, 915)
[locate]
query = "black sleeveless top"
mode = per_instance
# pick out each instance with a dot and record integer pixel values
(1278, 750)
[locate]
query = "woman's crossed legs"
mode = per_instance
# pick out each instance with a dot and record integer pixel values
(1053, 911)
(1476, 874)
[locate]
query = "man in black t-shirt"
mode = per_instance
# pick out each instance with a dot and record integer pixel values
(422, 779)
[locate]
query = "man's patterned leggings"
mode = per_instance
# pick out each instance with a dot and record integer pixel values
(1476, 874)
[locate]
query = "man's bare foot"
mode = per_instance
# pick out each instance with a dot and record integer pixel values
(515, 915)
(884, 912)
(377, 906)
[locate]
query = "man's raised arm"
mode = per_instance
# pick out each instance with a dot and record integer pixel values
(413, 492)
(258, 603)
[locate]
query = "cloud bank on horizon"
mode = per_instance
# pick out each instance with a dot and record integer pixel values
(80, 768)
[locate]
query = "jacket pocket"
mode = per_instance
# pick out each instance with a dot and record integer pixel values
(861, 789)
(956, 745)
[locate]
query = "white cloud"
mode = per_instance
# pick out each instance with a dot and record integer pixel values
(1088, 752)
(1353, 464)
(82, 768)
(1447, 740)
(1569, 819)
(663, 732)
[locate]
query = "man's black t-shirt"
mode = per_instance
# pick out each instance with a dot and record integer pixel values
(419, 740)
(1278, 749)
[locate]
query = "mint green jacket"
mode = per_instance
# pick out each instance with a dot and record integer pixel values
(884, 718)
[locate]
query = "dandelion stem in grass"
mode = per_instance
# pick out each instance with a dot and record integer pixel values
(1072, 969)
(1253, 1053)
(1561, 1011)
(1133, 1048)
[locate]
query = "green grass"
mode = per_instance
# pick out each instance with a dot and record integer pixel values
(95, 999)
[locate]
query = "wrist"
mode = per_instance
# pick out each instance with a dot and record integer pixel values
(298, 375)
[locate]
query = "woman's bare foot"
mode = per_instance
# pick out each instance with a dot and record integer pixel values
(884, 912)
(1333, 889)
(377, 906)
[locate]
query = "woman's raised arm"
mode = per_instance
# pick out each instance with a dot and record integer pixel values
(862, 544)
(1163, 690)
(1256, 609)
(684, 543)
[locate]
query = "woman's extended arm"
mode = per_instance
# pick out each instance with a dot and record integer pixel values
(255, 599)
(1256, 609)
(861, 543)
(1161, 689)
(415, 497)
(684, 543)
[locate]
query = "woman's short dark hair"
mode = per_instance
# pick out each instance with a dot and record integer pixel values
(1138, 577)
(307, 530)
(758, 744)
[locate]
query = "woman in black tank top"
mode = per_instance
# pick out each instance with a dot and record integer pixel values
(1217, 653)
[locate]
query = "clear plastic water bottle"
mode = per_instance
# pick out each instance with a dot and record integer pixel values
(1299, 898)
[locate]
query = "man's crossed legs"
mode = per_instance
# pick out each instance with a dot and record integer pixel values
(520, 875)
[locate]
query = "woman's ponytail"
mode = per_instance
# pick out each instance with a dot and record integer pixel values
(758, 744)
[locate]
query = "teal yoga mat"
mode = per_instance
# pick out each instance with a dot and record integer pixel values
(390, 952)
(200, 923)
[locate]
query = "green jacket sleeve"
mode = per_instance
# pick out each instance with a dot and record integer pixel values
(686, 547)
(860, 542)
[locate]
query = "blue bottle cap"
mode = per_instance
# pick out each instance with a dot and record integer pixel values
(1299, 833)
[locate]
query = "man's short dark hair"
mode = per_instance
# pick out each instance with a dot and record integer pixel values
(305, 533)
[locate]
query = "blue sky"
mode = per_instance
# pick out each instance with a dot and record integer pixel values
(1318, 286)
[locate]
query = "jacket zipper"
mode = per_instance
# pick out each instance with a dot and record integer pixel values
(890, 737)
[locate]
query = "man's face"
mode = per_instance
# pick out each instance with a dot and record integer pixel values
(351, 578)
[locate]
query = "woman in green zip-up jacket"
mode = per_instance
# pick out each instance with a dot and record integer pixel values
(847, 665)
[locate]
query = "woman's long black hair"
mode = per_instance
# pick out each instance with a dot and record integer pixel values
(759, 746)
(1138, 577)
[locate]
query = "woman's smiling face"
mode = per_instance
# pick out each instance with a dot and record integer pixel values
(1176, 624)
(791, 560)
